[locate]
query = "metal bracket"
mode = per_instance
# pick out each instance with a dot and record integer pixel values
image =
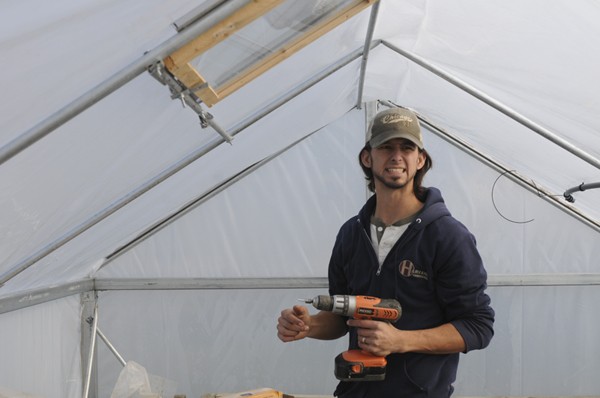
(187, 97)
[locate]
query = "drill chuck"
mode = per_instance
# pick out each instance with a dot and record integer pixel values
(342, 305)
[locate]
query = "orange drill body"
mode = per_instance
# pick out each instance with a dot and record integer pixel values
(358, 365)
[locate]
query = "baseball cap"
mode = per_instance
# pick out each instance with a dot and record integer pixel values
(395, 123)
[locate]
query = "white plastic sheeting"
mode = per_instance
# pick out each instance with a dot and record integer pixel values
(214, 341)
(539, 59)
(194, 181)
(40, 349)
(222, 340)
(110, 170)
(263, 225)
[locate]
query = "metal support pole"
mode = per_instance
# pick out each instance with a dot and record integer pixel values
(496, 280)
(366, 49)
(197, 13)
(498, 106)
(88, 377)
(88, 313)
(111, 347)
(116, 81)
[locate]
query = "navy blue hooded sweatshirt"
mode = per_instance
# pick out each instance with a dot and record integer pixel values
(436, 273)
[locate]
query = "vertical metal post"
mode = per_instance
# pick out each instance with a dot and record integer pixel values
(367, 48)
(89, 325)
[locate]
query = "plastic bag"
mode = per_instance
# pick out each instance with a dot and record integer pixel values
(133, 382)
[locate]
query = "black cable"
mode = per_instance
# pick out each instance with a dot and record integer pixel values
(540, 193)
(496, 207)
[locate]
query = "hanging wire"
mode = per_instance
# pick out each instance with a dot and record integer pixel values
(540, 193)
(496, 207)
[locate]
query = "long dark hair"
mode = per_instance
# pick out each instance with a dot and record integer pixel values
(418, 189)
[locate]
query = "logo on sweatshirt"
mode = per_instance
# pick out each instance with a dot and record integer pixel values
(408, 270)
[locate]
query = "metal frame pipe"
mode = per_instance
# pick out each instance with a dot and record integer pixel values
(110, 346)
(148, 284)
(366, 50)
(494, 280)
(32, 297)
(109, 284)
(88, 375)
(197, 13)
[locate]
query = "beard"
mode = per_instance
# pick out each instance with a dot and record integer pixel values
(391, 183)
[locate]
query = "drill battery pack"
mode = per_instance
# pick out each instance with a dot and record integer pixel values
(357, 365)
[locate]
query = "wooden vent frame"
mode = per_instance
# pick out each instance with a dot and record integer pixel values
(178, 63)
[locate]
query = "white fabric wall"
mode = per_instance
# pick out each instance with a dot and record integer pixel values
(545, 344)
(213, 341)
(40, 349)
(279, 221)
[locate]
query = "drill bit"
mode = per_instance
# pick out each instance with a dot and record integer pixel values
(305, 300)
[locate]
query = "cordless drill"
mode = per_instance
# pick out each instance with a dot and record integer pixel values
(358, 365)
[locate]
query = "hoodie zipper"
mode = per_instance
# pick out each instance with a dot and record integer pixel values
(398, 244)
(370, 244)
(368, 238)
(379, 268)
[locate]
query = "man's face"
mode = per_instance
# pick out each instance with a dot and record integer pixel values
(394, 163)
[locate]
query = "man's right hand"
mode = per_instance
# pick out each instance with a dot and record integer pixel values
(293, 324)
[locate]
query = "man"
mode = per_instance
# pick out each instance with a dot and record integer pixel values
(404, 244)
